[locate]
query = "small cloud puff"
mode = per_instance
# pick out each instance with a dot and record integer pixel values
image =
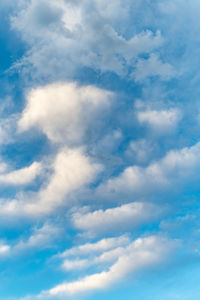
(163, 121)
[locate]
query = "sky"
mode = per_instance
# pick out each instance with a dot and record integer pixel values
(99, 150)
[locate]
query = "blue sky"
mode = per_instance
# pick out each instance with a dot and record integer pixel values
(100, 150)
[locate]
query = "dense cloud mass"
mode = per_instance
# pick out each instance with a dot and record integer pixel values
(100, 149)
(64, 112)
(72, 35)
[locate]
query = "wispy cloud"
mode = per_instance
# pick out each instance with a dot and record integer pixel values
(136, 256)
(116, 219)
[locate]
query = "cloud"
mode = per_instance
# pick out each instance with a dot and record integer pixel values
(80, 34)
(100, 246)
(103, 251)
(160, 120)
(82, 125)
(72, 170)
(176, 168)
(3, 166)
(21, 176)
(124, 217)
(140, 254)
(152, 67)
(64, 111)
(4, 249)
(41, 237)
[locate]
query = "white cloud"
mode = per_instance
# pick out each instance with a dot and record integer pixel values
(80, 34)
(106, 258)
(4, 249)
(140, 254)
(152, 66)
(76, 264)
(160, 120)
(100, 246)
(41, 237)
(103, 252)
(115, 219)
(64, 111)
(21, 176)
(175, 169)
(72, 169)
(84, 256)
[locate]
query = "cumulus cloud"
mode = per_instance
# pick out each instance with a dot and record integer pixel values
(124, 217)
(177, 167)
(160, 120)
(138, 255)
(72, 169)
(21, 176)
(64, 111)
(80, 34)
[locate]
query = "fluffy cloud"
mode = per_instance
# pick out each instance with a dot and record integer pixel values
(115, 219)
(160, 120)
(72, 169)
(177, 167)
(64, 111)
(137, 255)
(80, 34)
(21, 176)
